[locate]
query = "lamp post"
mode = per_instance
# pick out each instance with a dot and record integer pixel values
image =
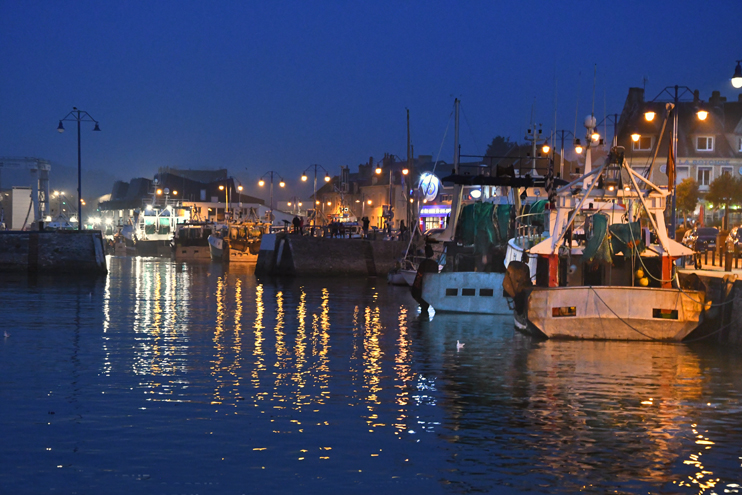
(676, 95)
(281, 183)
(304, 178)
(77, 115)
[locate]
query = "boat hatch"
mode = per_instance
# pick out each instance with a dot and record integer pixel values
(468, 292)
(486, 292)
(564, 311)
(665, 314)
(452, 292)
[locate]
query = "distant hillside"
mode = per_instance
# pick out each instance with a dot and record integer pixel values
(95, 183)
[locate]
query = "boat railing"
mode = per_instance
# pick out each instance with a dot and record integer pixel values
(527, 234)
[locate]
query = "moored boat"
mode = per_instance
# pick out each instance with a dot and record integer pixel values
(616, 280)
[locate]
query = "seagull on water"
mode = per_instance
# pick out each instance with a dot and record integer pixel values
(459, 346)
(5, 332)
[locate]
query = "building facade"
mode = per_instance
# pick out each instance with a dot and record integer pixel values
(706, 148)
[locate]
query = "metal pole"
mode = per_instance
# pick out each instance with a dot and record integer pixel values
(271, 217)
(675, 157)
(561, 158)
(79, 177)
(314, 219)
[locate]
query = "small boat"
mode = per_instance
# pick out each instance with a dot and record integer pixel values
(237, 242)
(191, 241)
(403, 273)
(616, 280)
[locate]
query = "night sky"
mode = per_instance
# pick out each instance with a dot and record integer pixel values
(276, 85)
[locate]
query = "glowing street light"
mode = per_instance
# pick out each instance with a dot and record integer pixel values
(78, 116)
(737, 77)
(281, 183)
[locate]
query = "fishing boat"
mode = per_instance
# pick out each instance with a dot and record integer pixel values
(191, 241)
(475, 244)
(607, 268)
(238, 242)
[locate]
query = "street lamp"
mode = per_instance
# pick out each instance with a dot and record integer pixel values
(78, 116)
(281, 183)
(737, 77)
(304, 178)
(676, 94)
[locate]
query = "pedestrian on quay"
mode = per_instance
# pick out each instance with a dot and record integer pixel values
(296, 222)
(402, 230)
(301, 225)
(365, 221)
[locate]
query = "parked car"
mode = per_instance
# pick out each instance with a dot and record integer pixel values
(701, 238)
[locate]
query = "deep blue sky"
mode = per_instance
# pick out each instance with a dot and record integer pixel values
(277, 85)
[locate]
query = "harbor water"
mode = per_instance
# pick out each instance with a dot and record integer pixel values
(199, 378)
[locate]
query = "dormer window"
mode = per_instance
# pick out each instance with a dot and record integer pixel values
(739, 147)
(705, 143)
(644, 143)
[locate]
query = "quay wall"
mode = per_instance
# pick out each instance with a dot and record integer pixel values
(321, 256)
(53, 252)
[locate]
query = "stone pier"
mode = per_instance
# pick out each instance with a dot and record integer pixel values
(53, 252)
(320, 256)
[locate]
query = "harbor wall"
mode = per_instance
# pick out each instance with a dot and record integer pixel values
(321, 256)
(53, 252)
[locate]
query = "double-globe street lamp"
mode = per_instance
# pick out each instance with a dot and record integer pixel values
(77, 115)
(304, 178)
(226, 189)
(281, 183)
(405, 171)
(673, 109)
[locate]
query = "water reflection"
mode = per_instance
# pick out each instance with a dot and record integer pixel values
(344, 377)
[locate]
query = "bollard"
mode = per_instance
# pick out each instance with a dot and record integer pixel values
(728, 261)
(736, 257)
(713, 257)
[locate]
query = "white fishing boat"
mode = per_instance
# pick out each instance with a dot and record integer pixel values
(616, 281)
(476, 249)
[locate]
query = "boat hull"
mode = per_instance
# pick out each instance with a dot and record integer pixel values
(221, 251)
(612, 313)
(466, 292)
(185, 253)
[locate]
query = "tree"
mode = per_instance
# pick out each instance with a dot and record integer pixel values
(725, 191)
(500, 146)
(686, 198)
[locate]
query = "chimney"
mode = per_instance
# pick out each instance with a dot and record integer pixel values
(696, 96)
(636, 95)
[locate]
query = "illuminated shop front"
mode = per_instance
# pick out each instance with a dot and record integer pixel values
(434, 216)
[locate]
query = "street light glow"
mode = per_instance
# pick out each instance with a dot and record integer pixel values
(702, 114)
(635, 136)
(649, 116)
(327, 177)
(378, 170)
(281, 184)
(736, 78)
(546, 148)
(304, 178)
(261, 182)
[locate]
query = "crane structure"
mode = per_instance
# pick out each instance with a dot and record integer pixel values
(39, 171)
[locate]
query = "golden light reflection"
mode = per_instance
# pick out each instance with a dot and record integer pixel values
(403, 369)
(258, 341)
(372, 355)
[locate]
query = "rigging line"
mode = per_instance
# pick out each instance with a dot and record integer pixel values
(471, 131)
(577, 104)
(435, 164)
(622, 320)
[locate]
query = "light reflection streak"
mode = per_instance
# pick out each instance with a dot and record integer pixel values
(372, 355)
(403, 370)
(258, 339)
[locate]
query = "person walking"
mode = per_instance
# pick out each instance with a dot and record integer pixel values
(365, 221)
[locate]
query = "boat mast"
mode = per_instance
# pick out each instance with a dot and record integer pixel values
(456, 137)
